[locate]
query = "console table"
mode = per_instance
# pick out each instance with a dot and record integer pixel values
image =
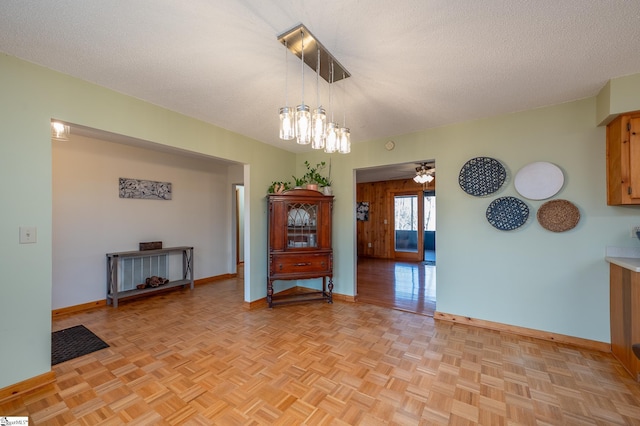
(128, 269)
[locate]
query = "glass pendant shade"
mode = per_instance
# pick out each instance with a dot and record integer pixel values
(303, 125)
(331, 141)
(286, 124)
(319, 120)
(344, 138)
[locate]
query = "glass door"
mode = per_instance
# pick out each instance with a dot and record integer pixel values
(408, 225)
(430, 227)
(301, 225)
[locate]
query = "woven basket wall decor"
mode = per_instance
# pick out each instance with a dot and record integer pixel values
(558, 215)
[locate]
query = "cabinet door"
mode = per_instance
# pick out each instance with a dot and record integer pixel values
(623, 160)
(324, 224)
(302, 225)
(634, 158)
(277, 225)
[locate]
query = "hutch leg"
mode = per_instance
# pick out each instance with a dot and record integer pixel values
(270, 293)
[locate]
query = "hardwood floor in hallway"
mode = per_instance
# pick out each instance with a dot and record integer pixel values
(407, 286)
(201, 358)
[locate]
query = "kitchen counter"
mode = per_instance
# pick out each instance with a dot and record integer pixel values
(626, 257)
(632, 263)
(624, 306)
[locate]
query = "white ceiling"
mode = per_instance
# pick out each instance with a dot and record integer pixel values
(415, 64)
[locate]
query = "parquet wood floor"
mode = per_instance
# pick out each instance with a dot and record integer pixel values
(408, 286)
(200, 358)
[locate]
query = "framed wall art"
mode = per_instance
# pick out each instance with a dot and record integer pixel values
(362, 210)
(144, 189)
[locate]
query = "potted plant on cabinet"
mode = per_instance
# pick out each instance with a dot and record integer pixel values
(313, 176)
(299, 182)
(278, 187)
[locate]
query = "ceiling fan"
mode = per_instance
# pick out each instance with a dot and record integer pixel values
(424, 173)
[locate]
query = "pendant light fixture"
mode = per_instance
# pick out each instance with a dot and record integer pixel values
(286, 114)
(303, 116)
(313, 128)
(319, 117)
(331, 140)
(344, 145)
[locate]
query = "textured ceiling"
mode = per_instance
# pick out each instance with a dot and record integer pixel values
(415, 64)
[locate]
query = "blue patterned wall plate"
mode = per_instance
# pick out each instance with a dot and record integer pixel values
(507, 213)
(482, 176)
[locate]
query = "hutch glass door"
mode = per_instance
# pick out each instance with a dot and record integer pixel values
(301, 225)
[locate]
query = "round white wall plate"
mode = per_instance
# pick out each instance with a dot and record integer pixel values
(539, 180)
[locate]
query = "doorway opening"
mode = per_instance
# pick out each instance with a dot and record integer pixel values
(239, 229)
(396, 248)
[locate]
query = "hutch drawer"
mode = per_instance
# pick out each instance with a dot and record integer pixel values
(301, 264)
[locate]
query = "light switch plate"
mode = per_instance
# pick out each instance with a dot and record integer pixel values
(28, 234)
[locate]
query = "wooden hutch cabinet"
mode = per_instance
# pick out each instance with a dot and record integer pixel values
(623, 160)
(300, 243)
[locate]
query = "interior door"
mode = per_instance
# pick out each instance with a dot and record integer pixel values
(408, 219)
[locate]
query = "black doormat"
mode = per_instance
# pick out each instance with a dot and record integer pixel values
(73, 342)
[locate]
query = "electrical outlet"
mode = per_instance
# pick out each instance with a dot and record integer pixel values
(369, 244)
(634, 231)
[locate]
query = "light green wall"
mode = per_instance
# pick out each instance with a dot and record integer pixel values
(31, 96)
(529, 277)
(619, 95)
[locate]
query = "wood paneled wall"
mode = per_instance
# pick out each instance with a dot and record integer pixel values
(375, 231)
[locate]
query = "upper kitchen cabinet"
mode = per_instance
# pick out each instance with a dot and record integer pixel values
(623, 160)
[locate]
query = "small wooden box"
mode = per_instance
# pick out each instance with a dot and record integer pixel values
(153, 245)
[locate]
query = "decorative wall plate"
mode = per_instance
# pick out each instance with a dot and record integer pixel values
(539, 181)
(507, 213)
(558, 215)
(482, 176)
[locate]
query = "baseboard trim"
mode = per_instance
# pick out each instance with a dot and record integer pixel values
(256, 304)
(527, 332)
(100, 303)
(214, 279)
(77, 308)
(20, 388)
(344, 298)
